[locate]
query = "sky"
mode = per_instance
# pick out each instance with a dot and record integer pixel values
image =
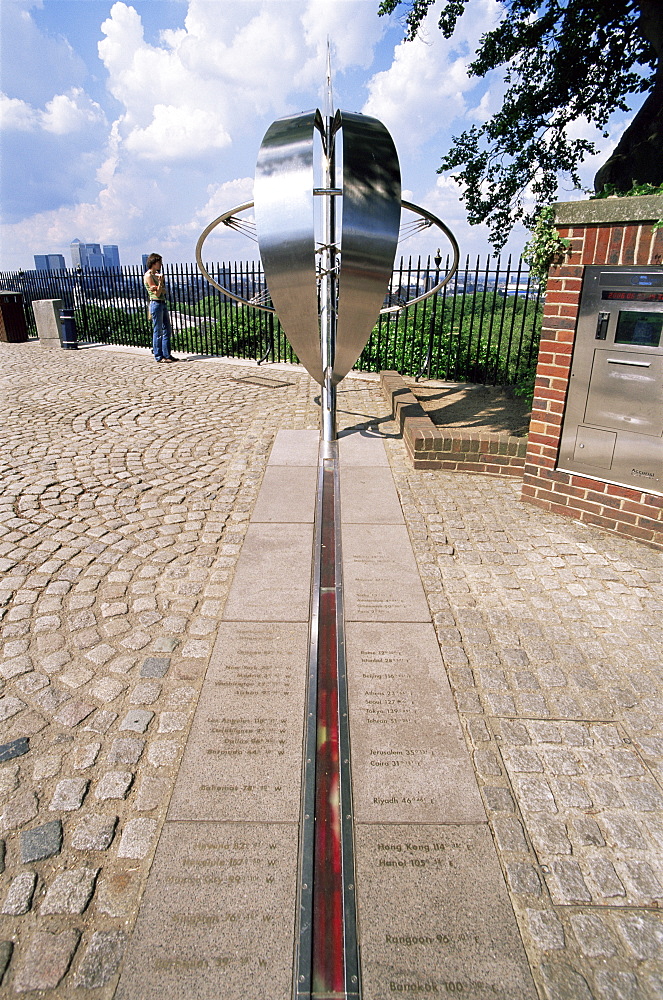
(138, 123)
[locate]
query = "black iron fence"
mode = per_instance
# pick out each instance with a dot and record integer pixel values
(483, 327)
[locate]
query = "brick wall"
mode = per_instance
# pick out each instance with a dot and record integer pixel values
(621, 509)
(456, 449)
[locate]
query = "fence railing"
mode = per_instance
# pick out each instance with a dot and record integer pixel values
(483, 327)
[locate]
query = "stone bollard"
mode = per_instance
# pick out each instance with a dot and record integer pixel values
(47, 318)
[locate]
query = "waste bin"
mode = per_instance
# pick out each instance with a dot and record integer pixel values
(69, 340)
(12, 318)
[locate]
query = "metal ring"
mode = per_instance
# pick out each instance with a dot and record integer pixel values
(423, 212)
(199, 246)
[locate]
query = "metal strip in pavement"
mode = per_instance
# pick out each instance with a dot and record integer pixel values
(327, 963)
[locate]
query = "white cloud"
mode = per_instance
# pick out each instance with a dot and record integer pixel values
(425, 88)
(63, 114)
(194, 101)
(223, 197)
(177, 133)
(17, 115)
(70, 112)
(199, 89)
(353, 29)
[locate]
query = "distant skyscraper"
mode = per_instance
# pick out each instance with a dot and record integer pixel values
(91, 255)
(111, 255)
(49, 262)
(145, 256)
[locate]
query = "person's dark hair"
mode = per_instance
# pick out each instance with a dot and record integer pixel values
(154, 258)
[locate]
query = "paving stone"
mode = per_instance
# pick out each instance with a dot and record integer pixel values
(604, 875)
(172, 722)
(9, 706)
(643, 934)
(587, 831)
(41, 842)
(16, 748)
(151, 793)
(19, 897)
(145, 693)
(114, 785)
(15, 666)
(136, 720)
(6, 949)
(86, 756)
(107, 689)
(52, 663)
(161, 753)
(523, 879)
(644, 881)
(102, 959)
(73, 713)
(43, 964)
(549, 836)
(86, 638)
(155, 666)
(117, 891)
(30, 683)
(75, 676)
(593, 935)
(181, 697)
(101, 654)
(122, 664)
(21, 808)
(101, 721)
(136, 640)
(617, 985)
(509, 834)
(84, 619)
(571, 883)
(94, 833)
(164, 644)
(546, 929)
(69, 794)
(126, 750)
(563, 982)
(70, 892)
(137, 838)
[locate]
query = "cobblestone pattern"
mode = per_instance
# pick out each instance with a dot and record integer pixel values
(130, 488)
(127, 489)
(551, 637)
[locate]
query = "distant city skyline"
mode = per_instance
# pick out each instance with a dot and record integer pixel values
(93, 255)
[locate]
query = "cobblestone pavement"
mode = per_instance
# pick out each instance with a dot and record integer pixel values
(127, 489)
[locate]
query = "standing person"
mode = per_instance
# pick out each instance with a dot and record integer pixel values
(156, 288)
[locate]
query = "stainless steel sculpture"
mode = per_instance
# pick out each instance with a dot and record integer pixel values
(327, 287)
(328, 273)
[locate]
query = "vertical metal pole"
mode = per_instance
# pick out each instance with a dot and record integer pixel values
(328, 283)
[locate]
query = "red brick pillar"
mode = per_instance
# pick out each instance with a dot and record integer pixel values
(610, 231)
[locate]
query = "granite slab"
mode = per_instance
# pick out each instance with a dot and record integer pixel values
(273, 575)
(295, 448)
(244, 755)
(410, 762)
(287, 495)
(361, 449)
(434, 914)
(381, 579)
(368, 496)
(217, 918)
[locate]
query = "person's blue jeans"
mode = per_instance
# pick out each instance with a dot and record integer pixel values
(161, 330)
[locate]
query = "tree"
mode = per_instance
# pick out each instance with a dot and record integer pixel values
(563, 61)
